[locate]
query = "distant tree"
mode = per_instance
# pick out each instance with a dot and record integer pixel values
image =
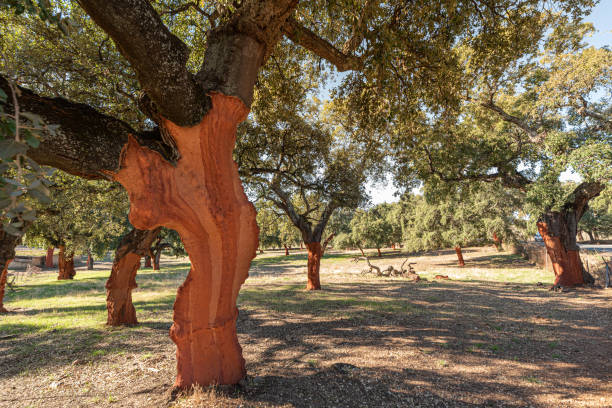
(597, 220)
(371, 228)
(82, 217)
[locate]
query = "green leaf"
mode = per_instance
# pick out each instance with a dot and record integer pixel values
(11, 148)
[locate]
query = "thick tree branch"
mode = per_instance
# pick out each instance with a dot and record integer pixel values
(87, 143)
(158, 57)
(534, 135)
(311, 41)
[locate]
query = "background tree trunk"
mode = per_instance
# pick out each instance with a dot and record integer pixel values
(497, 242)
(459, 256)
(202, 198)
(65, 264)
(286, 250)
(3, 276)
(156, 259)
(314, 265)
(147, 262)
(49, 257)
(90, 261)
(122, 279)
(361, 249)
(379, 253)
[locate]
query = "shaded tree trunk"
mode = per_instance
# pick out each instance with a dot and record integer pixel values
(497, 242)
(201, 197)
(286, 250)
(559, 229)
(361, 249)
(591, 237)
(393, 246)
(147, 262)
(459, 256)
(122, 279)
(301, 245)
(3, 276)
(156, 259)
(49, 257)
(65, 264)
(8, 243)
(379, 253)
(90, 261)
(314, 265)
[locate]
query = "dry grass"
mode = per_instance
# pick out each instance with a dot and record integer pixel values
(490, 336)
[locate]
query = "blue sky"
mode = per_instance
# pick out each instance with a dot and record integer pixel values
(601, 17)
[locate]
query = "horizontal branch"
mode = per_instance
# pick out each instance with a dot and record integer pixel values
(534, 135)
(88, 143)
(321, 47)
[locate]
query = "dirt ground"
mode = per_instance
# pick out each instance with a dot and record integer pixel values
(474, 340)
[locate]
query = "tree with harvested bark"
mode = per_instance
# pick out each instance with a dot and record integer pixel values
(82, 217)
(122, 280)
(525, 132)
(196, 103)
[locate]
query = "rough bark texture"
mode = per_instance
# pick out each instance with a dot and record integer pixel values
(203, 200)
(49, 257)
(122, 279)
(459, 256)
(314, 264)
(65, 263)
(559, 229)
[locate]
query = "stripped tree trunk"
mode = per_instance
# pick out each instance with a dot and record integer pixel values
(558, 230)
(314, 265)
(49, 257)
(459, 256)
(497, 242)
(3, 276)
(286, 250)
(201, 197)
(379, 253)
(122, 279)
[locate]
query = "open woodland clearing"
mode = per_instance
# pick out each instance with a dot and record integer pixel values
(489, 336)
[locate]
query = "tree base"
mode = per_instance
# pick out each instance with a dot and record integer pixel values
(207, 355)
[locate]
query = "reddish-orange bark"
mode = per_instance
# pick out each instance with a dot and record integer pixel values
(379, 253)
(3, 277)
(147, 263)
(90, 262)
(314, 264)
(459, 256)
(49, 257)
(567, 265)
(203, 200)
(65, 263)
(497, 242)
(119, 291)
(286, 250)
